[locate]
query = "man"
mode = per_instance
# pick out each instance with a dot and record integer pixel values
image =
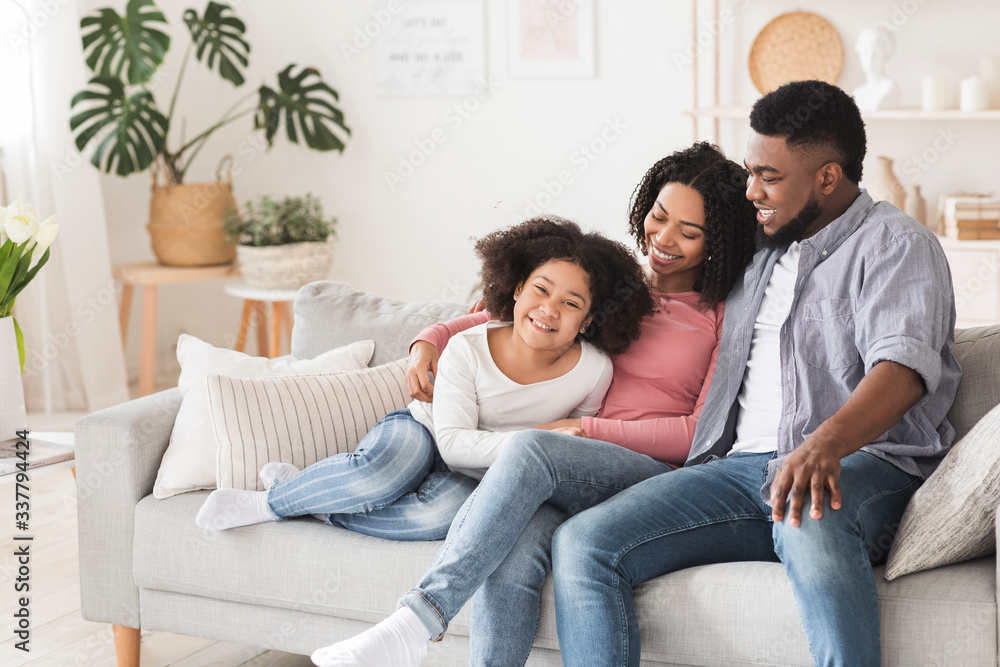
(826, 410)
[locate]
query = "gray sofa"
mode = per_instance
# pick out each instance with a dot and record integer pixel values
(298, 585)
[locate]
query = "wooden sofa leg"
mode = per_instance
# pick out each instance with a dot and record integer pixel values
(127, 645)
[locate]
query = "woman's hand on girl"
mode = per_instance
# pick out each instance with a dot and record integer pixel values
(567, 426)
(423, 359)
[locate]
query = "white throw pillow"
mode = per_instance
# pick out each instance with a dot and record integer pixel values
(298, 420)
(189, 462)
(951, 518)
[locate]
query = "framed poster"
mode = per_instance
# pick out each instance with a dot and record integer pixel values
(550, 38)
(433, 48)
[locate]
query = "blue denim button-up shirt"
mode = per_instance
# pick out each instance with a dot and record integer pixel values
(872, 286)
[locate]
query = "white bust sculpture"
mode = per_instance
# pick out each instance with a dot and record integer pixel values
(875, 46)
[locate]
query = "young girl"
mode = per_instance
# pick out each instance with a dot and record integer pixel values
(410, 475)
(689, 214)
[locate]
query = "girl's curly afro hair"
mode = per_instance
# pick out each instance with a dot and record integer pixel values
(730, 218)
(619, 295)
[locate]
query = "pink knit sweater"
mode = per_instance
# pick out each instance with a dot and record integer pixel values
(659, 384)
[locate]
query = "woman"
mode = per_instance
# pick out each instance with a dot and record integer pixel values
(690, 216)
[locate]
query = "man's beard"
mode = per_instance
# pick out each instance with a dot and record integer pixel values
(793, 229)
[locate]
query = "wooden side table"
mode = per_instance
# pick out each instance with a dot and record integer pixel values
(149, 276)
(254, 304)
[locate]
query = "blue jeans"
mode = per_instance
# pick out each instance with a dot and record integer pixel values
(394, 485)
(498, 546)
(713, 513)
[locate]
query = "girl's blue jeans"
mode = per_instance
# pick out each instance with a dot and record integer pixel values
(394, 485)
(497, 551)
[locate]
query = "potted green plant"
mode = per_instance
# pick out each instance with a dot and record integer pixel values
(283, 243)
(118, 113)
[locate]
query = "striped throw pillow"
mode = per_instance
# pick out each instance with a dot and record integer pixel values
(299, 420)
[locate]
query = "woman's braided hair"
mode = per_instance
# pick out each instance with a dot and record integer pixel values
(730, 225)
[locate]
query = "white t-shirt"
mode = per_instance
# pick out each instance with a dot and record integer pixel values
(476, 406)
(760, 396)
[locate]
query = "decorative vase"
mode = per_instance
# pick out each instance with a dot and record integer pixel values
(287, 266)
(916, 207)
(186, 222)
(883, 184)
(12, 414)
(989, 71)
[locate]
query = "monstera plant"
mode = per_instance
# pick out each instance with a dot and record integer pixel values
(118, 110)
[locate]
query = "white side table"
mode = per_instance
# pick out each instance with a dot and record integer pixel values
(255, 305)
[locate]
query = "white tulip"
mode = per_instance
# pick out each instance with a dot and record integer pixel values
(44, 237)
(20, 222)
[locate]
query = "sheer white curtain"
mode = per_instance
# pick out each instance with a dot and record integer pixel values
(74, 357)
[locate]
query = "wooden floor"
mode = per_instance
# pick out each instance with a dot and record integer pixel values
(59, 635)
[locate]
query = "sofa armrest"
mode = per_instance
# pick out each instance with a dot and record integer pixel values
(118, 452)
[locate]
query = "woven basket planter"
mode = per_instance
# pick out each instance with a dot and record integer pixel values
(285, 266)
(186, 221)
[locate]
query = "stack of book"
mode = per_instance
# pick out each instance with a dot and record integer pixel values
(970, 216)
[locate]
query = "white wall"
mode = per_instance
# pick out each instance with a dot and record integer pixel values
(413, 242)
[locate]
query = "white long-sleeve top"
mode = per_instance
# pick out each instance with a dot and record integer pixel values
(476, 406)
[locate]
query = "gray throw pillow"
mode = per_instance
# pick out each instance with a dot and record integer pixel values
(951, 518)
(330, 314)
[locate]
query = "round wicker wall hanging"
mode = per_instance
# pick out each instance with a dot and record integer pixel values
(795, 47)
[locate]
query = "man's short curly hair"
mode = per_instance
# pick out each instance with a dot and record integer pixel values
(730, 218)
(814, 116)
(619, 296)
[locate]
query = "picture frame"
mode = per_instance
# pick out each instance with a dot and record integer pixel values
(433, 49)
(550, 38)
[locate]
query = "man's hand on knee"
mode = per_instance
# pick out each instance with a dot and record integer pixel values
(813, 468)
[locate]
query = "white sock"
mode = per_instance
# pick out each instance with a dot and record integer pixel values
(277, 472)
(231, 508)
(400, 641)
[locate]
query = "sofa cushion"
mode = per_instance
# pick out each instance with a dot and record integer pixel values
(189, 462)
(298, 420)
(950, 518)
(727, 614)
(330, 314)
(978, 351)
